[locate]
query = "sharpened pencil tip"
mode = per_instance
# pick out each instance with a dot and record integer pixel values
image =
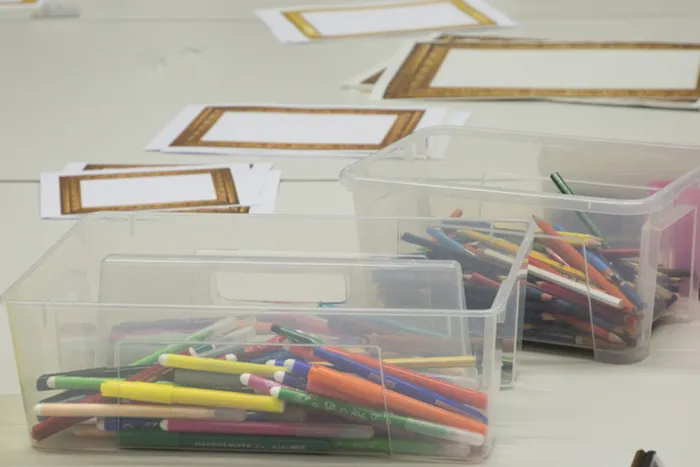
(615, 338)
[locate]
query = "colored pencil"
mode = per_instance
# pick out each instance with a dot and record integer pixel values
(566, 189)
(586, 326)
(574, 258)
(595, 294)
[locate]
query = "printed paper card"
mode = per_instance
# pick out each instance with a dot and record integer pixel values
(522, 69)
(310, 23)
(67, 194)
(298, 130)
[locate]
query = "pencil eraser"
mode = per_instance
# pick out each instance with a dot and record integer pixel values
(163, 359)
(231, 357)
(245, 377)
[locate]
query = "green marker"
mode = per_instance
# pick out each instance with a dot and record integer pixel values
(400, 446)
(210, 332)
(82, 382)
(565, 189)
(365, 414)
(147, 438)
(295, 335)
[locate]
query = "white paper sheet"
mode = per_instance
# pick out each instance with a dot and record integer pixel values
(569, 69)
(109, 192)
(278, 126)
(544, 69)
(378, 18)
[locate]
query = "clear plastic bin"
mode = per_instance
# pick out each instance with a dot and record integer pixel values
(120, 290)
(636, 203)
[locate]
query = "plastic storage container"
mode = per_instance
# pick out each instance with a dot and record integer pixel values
(644, 231)
(121, 290)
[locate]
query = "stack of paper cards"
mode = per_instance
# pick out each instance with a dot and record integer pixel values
(84, 188)
(312, 23)
(297, 130)
(627, 73)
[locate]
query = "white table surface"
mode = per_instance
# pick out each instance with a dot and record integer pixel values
(227, 10)
(97, 89)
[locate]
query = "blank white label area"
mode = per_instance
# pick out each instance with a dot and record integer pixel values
(300, 128)
(146, 190)
(366, 21)
(569, 69)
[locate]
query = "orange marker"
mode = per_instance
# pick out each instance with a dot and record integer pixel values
(373, 394)
(452, 391)
(575, 259)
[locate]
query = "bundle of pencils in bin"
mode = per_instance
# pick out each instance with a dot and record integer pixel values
(580, 291)
(291, 393)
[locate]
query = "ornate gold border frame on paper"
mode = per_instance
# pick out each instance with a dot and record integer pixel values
(418, 70)
(307, 29)
(449, 38)
(406, 122)
(223, 210)
(71, 198)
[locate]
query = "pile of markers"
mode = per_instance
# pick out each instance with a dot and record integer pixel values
(291, 393)
(580, 291)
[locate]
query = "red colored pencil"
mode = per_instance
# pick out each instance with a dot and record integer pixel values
(481, 279)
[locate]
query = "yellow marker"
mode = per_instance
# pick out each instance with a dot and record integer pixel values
(160, 394)
(213, 365)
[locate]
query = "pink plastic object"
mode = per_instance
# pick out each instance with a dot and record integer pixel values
(677, 241)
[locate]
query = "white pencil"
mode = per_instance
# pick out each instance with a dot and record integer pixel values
(562, 281)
